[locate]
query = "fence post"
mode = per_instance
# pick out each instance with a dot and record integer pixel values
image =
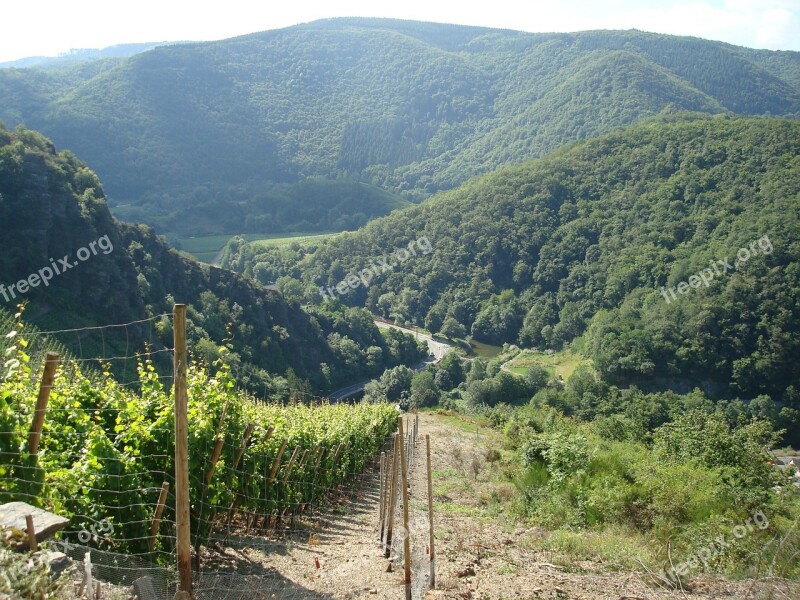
(32, 544)
(381, 494)
(407, 537)
(48, 377)
(156, 522)
(396, 441)
(182, 451)
(430, 512)
(217, 446)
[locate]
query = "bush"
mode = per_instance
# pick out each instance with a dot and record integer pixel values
(619, 428)
(672, 499)
(492, 455)
(709, 440)
(27, 576)
(563, 453)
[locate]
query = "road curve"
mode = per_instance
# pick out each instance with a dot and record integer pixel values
(437, 352)
(437, 349)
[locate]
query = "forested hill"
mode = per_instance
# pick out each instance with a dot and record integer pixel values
(74, 266)
(580, 243)
(228, 128)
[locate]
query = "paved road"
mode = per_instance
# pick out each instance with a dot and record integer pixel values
(437, 351)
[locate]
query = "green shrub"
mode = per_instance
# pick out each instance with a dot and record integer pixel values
(743, 451)
(27, 576)
(682, 493)
(564, 453)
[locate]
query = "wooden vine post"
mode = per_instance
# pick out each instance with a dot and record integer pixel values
(290, 466)
(182, 451)
(220, 441)
(276, 464)
(48, 378)
(386, 479)
(33, 546)
(248, 432)
(430, 513)
(156, 522)
(396, 441)
(382, 494)
(407, 536)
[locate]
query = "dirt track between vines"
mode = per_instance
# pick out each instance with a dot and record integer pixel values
(479, 557)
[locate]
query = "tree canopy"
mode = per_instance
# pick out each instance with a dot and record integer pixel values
(611, 240)
(221, 137)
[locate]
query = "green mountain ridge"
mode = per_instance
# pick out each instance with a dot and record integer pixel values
(581, 242)
(219, 123)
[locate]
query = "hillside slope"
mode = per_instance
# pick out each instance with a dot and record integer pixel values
(597, 239)
(75, 266)
(414, 108)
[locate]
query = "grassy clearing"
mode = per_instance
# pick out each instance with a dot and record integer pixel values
(206, 248)
(484, 350)
(473, 480)
(561, 363)
(284, 239)
(488, 493)
(615, 547)
(464, 423)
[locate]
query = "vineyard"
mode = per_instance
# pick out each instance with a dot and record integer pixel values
(106, 454)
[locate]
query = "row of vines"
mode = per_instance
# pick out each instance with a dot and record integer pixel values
(107, 448)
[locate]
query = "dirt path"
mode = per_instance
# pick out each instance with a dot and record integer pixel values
(482, 552)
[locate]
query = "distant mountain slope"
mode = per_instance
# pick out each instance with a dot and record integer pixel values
(78, 55)
(410, 107)
(75, 266)
(583, 241)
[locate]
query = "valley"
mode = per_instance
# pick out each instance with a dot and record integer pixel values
(571, 259)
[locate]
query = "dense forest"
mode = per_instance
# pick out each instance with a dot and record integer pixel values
(668, 249)
(53, 206)
(220, 137)
(604, 228)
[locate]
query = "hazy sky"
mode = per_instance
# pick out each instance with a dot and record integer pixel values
(48, 27)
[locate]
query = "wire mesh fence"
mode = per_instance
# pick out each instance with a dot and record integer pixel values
(404, 519)
(262, 477)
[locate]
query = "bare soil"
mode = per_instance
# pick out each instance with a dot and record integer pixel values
(482, 552)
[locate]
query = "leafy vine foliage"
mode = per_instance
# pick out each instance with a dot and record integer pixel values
(106, 448)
